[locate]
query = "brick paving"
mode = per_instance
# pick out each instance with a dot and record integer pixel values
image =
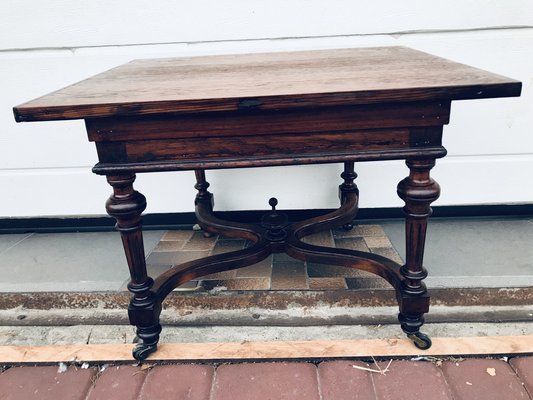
(277, 272)
(480, 378)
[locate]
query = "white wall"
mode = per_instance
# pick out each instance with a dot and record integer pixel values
(45, 166)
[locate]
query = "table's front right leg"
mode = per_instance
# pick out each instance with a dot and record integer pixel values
(126, 206)
(418, 191)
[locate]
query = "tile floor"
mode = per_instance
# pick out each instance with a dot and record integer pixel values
(278, 271)
(475, 252)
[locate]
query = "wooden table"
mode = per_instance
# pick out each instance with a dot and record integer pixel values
(254, 110)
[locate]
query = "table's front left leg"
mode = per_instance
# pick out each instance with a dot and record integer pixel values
(126, 206)
(418, 191)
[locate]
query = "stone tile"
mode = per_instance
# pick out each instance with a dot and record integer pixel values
(469, 380)
(59, 335)
(112, 334)
(178, 235)
(264, 381)
(262, 269)
(221, 275)
(369, 281)
(78, 259)
(523, 367)
(170, 245)
(331, 271)
(324, 238)
(154, 270)
(179, 381)
(410, 380)
(9, 240)
(45, 383)
(200, 243)
(351, 243)
(188, 285)
(226, 245)
(339, 380)
(118, 382)
(360, 230)
(474, 248)
(45, 335)
(327, 283)
(388, 252)
(377, 242)
(237, 284)
(289, 276)
(175, 257)
(283, 258)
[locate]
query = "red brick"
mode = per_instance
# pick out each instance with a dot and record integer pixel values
(266, 381)
(524, 369)
(339, 380)
(178, 382)
(410, 380)
(469, 380)
(45, 383)
(122, 382)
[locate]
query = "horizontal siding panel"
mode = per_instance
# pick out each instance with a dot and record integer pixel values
(28, 24)
(482, 127)
(491, 126)
(63, 192)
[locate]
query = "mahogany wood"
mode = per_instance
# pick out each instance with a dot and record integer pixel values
(346, 105)
(268, 81)
(270, 122)
(126, 206)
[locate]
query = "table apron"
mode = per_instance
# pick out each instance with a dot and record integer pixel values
(269, 122)
(268, 150)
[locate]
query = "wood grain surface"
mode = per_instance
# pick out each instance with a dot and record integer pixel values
(268, 81)
(314, 349)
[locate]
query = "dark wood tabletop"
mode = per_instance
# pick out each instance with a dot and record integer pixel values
(268, 81)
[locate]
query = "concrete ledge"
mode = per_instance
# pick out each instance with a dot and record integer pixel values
(268, 299)
(267, 308)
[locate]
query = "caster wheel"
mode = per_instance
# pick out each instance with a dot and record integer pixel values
(348, 226)
(420, 340)
(141, 351)
(208, 234)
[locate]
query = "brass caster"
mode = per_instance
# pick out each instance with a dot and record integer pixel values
(141, 351)
(420, 340)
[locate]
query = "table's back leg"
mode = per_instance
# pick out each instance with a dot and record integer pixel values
(418, 191)
(126, 206)
(348, 186)
(203, 195)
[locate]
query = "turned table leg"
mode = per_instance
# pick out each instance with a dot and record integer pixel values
(203, 194)
(418, 191)
(126, 206)
(348, 186)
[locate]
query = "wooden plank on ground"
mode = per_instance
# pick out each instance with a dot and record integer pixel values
(315, 349)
